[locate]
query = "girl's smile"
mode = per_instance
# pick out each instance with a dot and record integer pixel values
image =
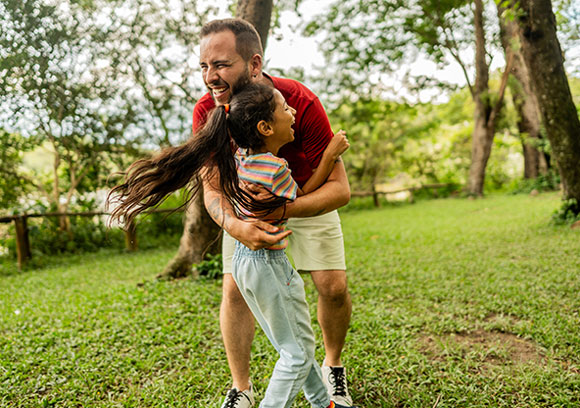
(281, 131)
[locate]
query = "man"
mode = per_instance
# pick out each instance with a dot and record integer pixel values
(231, 56)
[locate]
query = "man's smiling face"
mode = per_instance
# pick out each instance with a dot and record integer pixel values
(224, 71)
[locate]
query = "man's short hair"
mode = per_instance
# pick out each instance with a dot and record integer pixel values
(248, 41)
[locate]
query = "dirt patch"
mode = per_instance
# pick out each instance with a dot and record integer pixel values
(489, 347)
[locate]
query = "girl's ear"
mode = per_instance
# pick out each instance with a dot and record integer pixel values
(264, 128)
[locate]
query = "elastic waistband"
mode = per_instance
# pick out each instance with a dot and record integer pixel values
(242, 250)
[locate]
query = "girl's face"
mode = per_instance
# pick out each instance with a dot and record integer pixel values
(282, 121)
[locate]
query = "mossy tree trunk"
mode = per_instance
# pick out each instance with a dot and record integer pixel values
(543, 57)
(524, 99)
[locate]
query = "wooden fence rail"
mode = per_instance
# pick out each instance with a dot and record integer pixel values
(23, 253)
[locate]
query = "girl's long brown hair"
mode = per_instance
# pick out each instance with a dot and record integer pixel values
(148, 182)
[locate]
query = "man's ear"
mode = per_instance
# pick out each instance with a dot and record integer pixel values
(255, 65)
(264, 128)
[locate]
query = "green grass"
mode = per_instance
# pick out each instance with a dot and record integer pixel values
(472, 303)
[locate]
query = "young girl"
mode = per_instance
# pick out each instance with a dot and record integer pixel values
(260, 122)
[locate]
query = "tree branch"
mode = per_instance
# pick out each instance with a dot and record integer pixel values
(503, 85)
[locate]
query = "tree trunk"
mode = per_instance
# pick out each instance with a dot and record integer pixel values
(259, 13)
(200, 236)
(524, 99)
(482, 138)
(200, 230)
(543, 57)
(485, 114)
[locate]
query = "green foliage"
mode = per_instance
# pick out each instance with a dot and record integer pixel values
(429, 143)
(505, 164)
(210, 267)
(568, 213)
(544, 182)
(574, 82)
(92, 80)
(386, 36)
(162, 229)
(376, 131)
(101, 332)
(151, 46)
(86, 235)
(449, 190)
(380, 133)
(57, 92)
(567, 13)
(12, 184)
(90, 234)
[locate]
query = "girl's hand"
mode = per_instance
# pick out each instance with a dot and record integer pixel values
(258, 192)
(337, 146)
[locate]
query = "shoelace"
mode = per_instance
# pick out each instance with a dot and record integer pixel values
(339, 382)
(233, 398)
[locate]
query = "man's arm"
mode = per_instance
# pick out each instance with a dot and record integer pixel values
(331, 195)
(254, 234)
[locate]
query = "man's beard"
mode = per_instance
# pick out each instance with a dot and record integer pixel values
(243, 81)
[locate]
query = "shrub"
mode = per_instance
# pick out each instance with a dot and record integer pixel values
(568, 213)
(450, 189)
(544, 182)
(89, 234)
(210, 267)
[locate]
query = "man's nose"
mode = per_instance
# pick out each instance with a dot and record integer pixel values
(210, 75)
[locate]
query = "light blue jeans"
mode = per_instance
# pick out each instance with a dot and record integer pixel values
(274, 292)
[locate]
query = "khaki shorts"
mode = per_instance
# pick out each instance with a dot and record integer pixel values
(316, 244)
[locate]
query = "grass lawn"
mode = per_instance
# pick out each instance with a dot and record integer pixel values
(456, 303)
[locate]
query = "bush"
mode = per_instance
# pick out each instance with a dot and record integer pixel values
(89, 234)
(568, 213)
(210, 267)
(451, 189)
(159, 229)
(544, 182)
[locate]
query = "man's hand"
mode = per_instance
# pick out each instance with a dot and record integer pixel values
(256, 234)
(261, 193)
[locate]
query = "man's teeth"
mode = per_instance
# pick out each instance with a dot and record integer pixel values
(218, 91)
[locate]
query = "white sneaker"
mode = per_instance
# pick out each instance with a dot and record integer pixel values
(239, 399)
(334, 379)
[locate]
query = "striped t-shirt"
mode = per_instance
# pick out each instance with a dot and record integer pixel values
(271, 172)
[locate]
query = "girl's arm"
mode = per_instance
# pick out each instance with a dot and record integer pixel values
(338, 145)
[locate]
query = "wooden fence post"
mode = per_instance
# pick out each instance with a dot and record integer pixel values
(376, 199)
(22, 242)
(131, 237)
